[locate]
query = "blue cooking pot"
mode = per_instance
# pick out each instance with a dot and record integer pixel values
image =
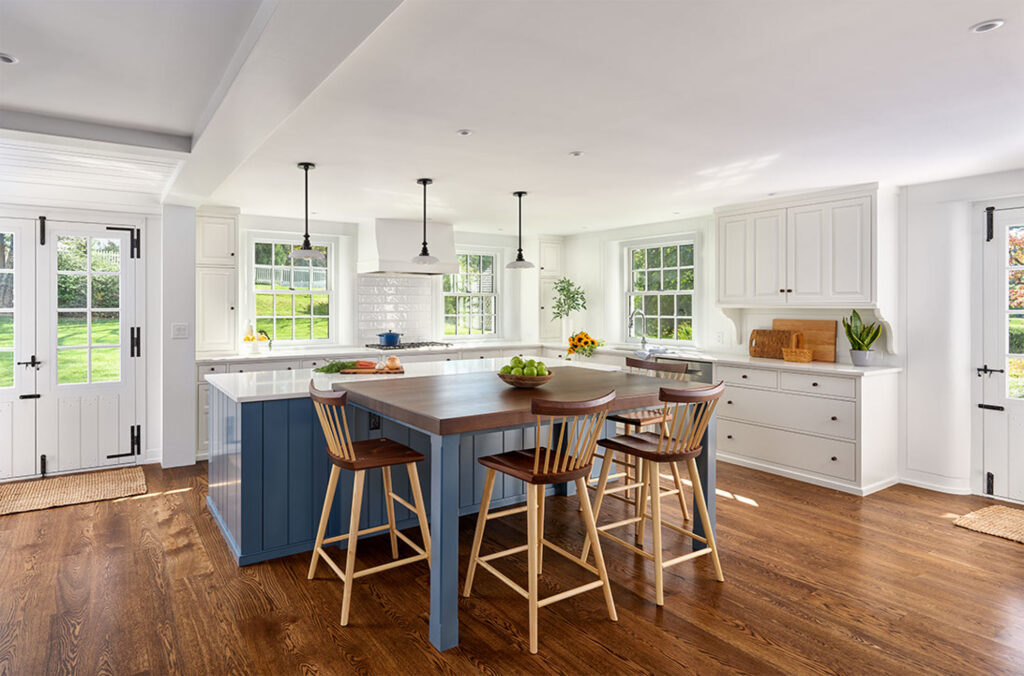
(389, 339)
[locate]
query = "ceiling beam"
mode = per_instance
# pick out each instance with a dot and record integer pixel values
(289, 50)
(46, 125)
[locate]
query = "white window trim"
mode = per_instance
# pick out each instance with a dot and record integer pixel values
(248, 281)
(499, 273)
(692, 237)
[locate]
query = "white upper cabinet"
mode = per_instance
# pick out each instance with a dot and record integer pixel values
(216, 240)
(550, 257)
(216, 317)
(811, 252)
(550, 329)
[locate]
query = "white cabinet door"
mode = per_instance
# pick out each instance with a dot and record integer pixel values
(215, 240)
(550, 328)
(807, 254)
(215, 309)
(850, 255)
(768, 257)
(733, 259)
(550, 258)
(829, 253)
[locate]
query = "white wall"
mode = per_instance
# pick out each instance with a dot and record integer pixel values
(177, 357)
(942, 229)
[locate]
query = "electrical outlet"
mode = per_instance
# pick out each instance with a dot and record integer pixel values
(374, 422)
(179, 331)
(720, 338)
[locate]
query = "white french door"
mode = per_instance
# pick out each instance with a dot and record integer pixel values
(17, 345)
(1003, 351)
(71, 393)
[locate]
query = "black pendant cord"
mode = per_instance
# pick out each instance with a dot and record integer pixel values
(424, 251)
(519, 256)
(306, 166)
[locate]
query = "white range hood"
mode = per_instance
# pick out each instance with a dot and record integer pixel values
(388, 245)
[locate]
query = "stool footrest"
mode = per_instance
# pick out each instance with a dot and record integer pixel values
(503, 553)
(390, 564)
(627, 545)
(501, 576)
(686, 557)
(406, 540)
(619, 524)
(572, 557)
(506, 512)
(561, 596)
(366, 531)
(402, 501)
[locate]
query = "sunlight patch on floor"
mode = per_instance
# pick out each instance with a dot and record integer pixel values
(153, 495)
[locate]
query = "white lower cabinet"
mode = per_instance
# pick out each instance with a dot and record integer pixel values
(835, 431)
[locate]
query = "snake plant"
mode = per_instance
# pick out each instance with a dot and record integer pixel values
(860, 335)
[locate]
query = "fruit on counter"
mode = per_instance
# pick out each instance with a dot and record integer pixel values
(392, 362)
(505, 370)
(531, 368)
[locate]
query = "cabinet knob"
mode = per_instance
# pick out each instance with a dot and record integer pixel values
(814, 384)
(834, 458)
(834, 418)
(782, 291)
(232, 307)
(729, 401)
(232, 253)
(728, 436)
(744, 376)
(288, 368)
(789, 290)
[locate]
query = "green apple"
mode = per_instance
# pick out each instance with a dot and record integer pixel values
(505, 370)
(530, 371)
(541, 370)
(517, 371)
(541, 365)
(516, 362)
(532, 362)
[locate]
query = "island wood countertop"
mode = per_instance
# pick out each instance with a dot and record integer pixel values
(471, 402)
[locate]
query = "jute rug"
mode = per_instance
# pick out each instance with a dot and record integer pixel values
(999, 520)
(71, 489)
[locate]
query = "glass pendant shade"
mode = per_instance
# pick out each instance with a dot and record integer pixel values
(520, 263)
(306, 252)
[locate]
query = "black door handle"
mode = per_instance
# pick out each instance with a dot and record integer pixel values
(32, 362)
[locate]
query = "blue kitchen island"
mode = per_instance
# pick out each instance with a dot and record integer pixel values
(268, 463)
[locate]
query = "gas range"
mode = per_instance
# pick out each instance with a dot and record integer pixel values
(408, 346)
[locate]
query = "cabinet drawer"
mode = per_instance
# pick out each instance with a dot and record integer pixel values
(795, 411)
(482, 353)
(209, 368)
(313, 363)
(814, 384)
(265, 366)
(789, 449)
(743, 376)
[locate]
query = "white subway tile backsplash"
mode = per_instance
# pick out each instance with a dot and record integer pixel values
(398, 303)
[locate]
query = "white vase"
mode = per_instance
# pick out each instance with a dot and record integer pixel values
(862, 357)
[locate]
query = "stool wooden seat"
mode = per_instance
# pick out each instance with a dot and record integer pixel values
(358, 457)
(567, 456)
(634, 422)
(688, 413)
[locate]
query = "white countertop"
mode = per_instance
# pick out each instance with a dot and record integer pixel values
(270, 385)
(337, 351)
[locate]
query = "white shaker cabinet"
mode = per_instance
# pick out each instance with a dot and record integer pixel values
(550, 329)
(216, 316)
(216, 240)
(811, 251)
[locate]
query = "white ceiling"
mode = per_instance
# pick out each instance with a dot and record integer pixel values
(142, 64)
(678, 106)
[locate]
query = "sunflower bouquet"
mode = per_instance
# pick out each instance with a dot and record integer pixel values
(582, 343)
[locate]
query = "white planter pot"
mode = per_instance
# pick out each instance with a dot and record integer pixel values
(862, 357)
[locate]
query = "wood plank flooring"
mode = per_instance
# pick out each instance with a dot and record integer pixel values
(816, 582)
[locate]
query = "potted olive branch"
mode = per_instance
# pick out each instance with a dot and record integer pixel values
(861, 337)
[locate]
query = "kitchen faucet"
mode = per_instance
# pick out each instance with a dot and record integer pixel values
(643, 332)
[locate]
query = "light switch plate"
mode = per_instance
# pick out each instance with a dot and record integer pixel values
(179, 331)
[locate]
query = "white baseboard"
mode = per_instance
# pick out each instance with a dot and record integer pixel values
(151, 456)
(806, 477)
(937, 487)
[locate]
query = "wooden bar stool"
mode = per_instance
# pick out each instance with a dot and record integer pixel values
(358, 457)
(687, 415)
(567, 458)
(635, 421)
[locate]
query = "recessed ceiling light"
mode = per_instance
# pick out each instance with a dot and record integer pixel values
(986, 26)
(7, 58)
(576, 153)
(464, 132)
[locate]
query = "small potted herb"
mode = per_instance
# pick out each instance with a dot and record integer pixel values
(861, 336)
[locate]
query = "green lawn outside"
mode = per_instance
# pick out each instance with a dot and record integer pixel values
(72, 365)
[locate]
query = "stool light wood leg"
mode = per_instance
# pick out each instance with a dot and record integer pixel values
(698, 494)
(641, 505)
(679, 487)
(386, 471)
(531, 548)
(654, 478)
(601, 484)
(325, 514)
(540, 528)
(478, 536)
(588, 517)
(350, 559)
(421, 512)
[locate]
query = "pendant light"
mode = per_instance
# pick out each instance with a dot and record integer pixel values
(307, 252)
(425, 258)
(520, 263)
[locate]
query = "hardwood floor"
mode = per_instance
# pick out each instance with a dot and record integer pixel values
(816, 582)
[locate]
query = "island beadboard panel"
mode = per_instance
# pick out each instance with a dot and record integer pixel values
(266, 494)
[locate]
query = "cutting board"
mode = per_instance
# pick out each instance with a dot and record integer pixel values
(819, 335)
(769, 344)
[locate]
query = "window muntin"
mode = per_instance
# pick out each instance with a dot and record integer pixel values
(292, 298)
(470, 296)
(660, 284)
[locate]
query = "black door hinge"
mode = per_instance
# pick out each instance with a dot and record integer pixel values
(135, 437)
(42, 465)
(135, 344)
(42, 231)
(135, 240)
(991, 407)
(990, 483)
(990, 223)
